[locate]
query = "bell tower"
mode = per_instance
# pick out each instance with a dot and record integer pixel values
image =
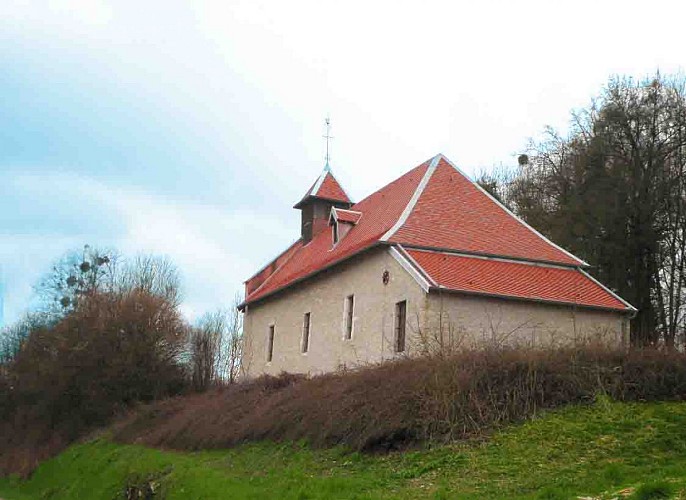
(315, 206)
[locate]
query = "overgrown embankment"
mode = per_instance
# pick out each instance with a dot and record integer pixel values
(405, 402)
(606, 450)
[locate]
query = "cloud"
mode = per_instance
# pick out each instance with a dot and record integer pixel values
(214, 248)
(189, 129)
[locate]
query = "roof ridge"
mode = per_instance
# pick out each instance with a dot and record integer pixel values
(318, 255)
(413, 200)
(334, 213)
(412, 260)
(345, 210)
(320, 180)
(495, 277)
(510, 213)
(330, 171)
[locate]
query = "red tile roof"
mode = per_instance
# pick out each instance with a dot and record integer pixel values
(434, 206)
(349, 216)
(331, 189)
(260, 276)
(326, 187)
(490, 276)
(381, 210)
(454, 213)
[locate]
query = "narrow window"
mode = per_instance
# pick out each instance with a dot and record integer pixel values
(400, 320)
(335, 232)
(306, 333)
(270, 344)
(349, 307)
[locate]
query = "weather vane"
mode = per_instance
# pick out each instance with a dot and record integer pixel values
(327, 136)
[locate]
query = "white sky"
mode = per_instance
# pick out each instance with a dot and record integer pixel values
(203, 120)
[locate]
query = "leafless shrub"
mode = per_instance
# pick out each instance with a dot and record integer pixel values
(391, 405)
(446, 339)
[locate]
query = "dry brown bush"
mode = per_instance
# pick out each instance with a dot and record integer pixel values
(406, 401)
(73, 376)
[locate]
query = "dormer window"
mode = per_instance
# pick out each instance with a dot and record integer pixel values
(341, 222)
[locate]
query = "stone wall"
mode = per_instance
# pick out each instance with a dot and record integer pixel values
(434, 320)
(469, 320)
(324, 298)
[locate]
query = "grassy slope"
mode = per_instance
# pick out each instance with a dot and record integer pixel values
(578, 451)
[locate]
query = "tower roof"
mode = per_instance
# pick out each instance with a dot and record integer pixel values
(326, 187)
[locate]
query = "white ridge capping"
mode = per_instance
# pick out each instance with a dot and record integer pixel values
(509, 212)
(318, 183)
(417, 266)
(333, 213)
(629, 306)
(405, 254)
(413, 201)
(411, 270)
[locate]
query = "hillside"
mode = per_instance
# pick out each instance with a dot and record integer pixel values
(606, 450)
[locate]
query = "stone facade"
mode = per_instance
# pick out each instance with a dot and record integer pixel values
(469, 320)
(433, 320)
(324, 298)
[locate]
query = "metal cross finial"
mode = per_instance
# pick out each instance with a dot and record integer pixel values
(327, 136)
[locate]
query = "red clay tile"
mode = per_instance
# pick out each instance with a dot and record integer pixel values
(512, 279)
(453, 213)
(449, 213)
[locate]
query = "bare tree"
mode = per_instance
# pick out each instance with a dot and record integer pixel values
(216, 347)
(498, 181)
(614, 192)
(233, 342)
(205, 350)
(75, 276)
(151, 274)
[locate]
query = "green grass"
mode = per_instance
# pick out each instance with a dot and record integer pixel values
(610, 450)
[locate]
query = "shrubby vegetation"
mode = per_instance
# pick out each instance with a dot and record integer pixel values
(401, 403)
(110, 335)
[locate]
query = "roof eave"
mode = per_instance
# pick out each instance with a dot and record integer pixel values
(308, 198)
